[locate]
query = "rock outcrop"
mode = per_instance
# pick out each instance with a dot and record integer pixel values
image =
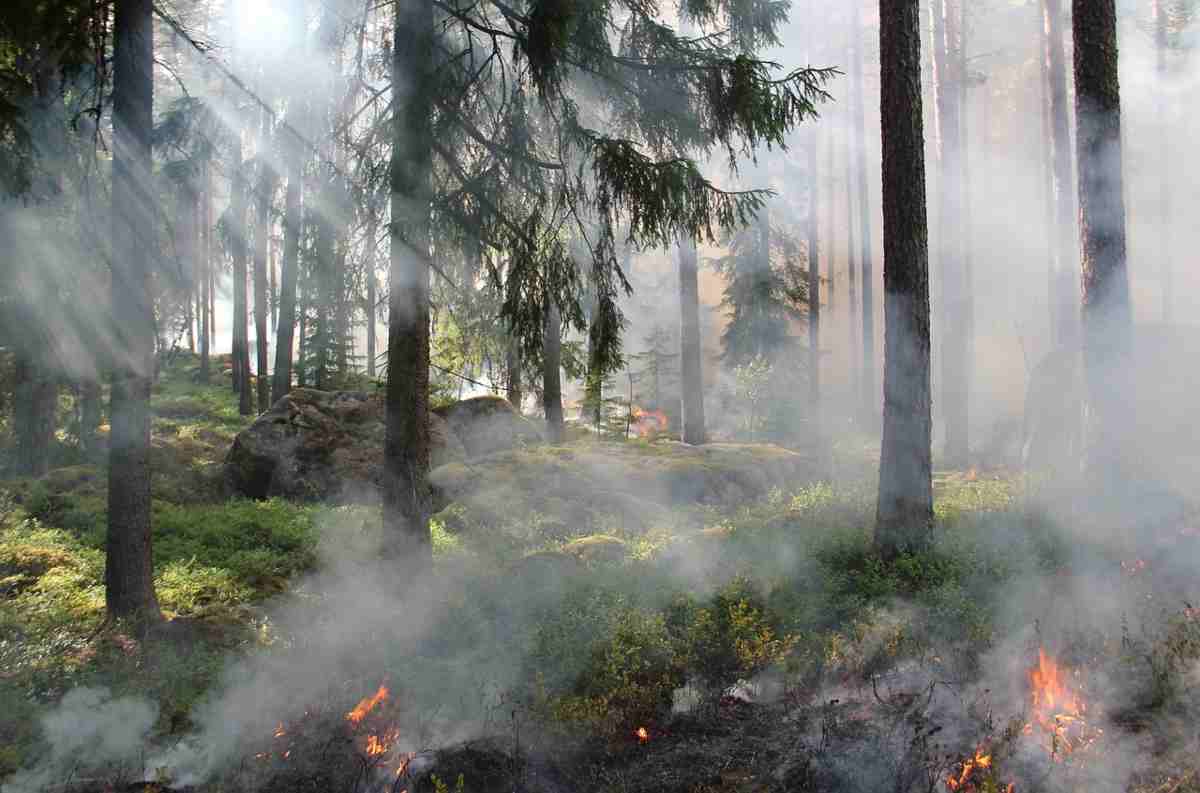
(320, 445)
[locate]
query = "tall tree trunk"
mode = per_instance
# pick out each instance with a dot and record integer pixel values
(1066, 294)
(691, 373)
(967, 229)
(205, 272)
(1160, 111)
(814, 288)
(1107, 313)
(904, 517)
(870, 404)
(35, 403)
(262, 235)
(551, 371)
(281, 382)
(831, 225)
(955, 365)
(90, 409)
(305, 281)
(129, 569)
(273, 286)
(1049, 209)
(241, 335)
(851, 278)
(372, 297)
(406, 499)
(512, 368)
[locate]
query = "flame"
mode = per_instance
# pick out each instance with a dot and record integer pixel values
(280, 731)
(963, 780)
(1058, 711)
(642, 734)
(648, 423)
(379, 744)
(366, 705)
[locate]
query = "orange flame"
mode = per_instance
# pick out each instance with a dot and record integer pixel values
(279, 730)
(643, 735)
(964, 780)
(649, 423)
(1058, 711)
(366, 705)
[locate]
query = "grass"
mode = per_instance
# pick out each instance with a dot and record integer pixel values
(786, 586)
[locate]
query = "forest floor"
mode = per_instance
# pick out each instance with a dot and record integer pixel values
(761, 646)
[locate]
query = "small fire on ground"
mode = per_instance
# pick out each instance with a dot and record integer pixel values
(969, 773)
(1059, 713)
(372, 730)
(648, 423)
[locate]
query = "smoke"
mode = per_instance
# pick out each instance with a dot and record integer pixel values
(89, 731)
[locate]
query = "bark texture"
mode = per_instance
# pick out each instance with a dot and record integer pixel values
(551, 368)
(285, 329)
(1107, 314)
(690, 365)
(129, 569)
(406, 497)
(904, 517)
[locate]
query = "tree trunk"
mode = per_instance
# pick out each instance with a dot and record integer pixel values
(305, 286)
(1049, 209)
(1107, 313)
(814, 288)
(1160, 112)
(205, 273)
(831, 224)
(89, 415)
(273, 286)
(904, 517)
(551, 371)
(321, 291)
(851, 276)
(241, 333)
(691, 374)
(870, 404)
(955, 365)
(35, 403)
(512, 367)
(129, 570)
(281, 382)
(1067, 311)
(372, 297)
(406, 498)
(262, 234)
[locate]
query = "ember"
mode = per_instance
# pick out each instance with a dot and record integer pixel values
(643, 735)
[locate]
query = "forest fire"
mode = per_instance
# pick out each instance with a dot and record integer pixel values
(1059, 713)
(648, 423)
(968, 777)
(367, 704)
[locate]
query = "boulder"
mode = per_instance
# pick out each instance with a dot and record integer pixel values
(487, 424)
(315, 445)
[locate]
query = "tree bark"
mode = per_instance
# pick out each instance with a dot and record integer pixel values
(512, 367)
(904, 517)
(1065, 254)
(205, 272)
(262, 234)
(551, 371)
(372, 296)
(1107, 313)
(281, 382)
(237, 235)
(691, 370)
(955, 363)
(1160, 111)
(870, 404)
(406, 498)
(35, 398)
(129, 570)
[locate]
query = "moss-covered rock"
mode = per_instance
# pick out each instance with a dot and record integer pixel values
(488, 424)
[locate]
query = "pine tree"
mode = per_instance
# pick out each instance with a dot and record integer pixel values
(904, 517)
(129, 569)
